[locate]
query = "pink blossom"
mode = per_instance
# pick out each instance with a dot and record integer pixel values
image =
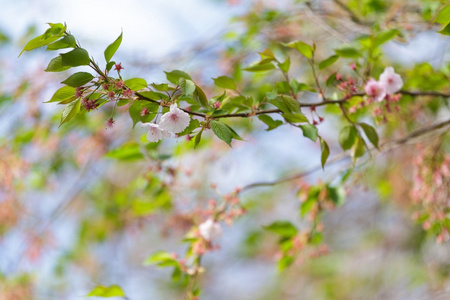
(391, 81)
(375, 89)
(175, 120)
(155, 132)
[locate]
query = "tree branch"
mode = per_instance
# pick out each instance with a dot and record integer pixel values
(343, 156)
(276, 110)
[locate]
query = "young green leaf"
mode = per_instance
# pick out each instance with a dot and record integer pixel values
(310, 131)
(70, 111)
(110, 291)
(200, 96)
(222, 131)
(348, 52)
(292, 104)
(198, 138)
(55, 65)
(78, 79)
(302, 47)
(76, 57)
(175, 75)
(295, 118)
(328, 62)
(64, 93)
(284, 66)
(135, 84)
(39, 41)
(187, 86)
(225, 82)
(385, 36)
(444, 16)
(66, 42)
(325, 152)
(111, 49)
(270, 122)
(260, 67)
(371, 133)
(283, 228)
(347, 137)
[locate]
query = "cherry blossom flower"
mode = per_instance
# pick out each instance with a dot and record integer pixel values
(391, 81)
(155, 132)
(210, 230)
(375, 89)
(175, 120)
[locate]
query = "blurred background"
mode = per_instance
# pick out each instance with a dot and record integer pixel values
(81, 206)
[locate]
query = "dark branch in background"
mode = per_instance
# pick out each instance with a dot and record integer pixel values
(344, 156)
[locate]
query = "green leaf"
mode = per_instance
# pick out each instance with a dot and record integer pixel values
(445, 30)
(310, 131)
(225, 82)
(325, 152)
(358, 149)
(76, 57)
(347, 137)
(66, 42)
(283, 228)
(64, 93)
(153, 95)
(328, 62)
(39, 41)
(292, 104)
(285, 262)
(302, 47)
(284, 66)
(385, 36)
(110, 65)
(157, 257)
(198, 138)
(78, 79)
(194, 124)
(161, 87)
(111, 49)
(187, 86)
(260, 67)
(135, 84)
(136, 109)
(222, 131)
(126, 152)
(70, 111)
(348, 52)
(371, 133)
(306, 205)
(201, 97)
(336, 194)
(175, 75)
(295, 118)
(444, 16)
(331, 79)
(270, 122)
(267, 54)
(55, 65)
(235, 134)
(103, 291)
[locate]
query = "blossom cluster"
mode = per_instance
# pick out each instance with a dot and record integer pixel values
(173, 121)
(388, 84)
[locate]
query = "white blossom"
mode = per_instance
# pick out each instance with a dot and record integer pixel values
(375, 89)
(155, 132)
(392, 81)
(210, 230)
(175, 120)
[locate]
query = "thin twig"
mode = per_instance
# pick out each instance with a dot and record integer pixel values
(343, 156)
